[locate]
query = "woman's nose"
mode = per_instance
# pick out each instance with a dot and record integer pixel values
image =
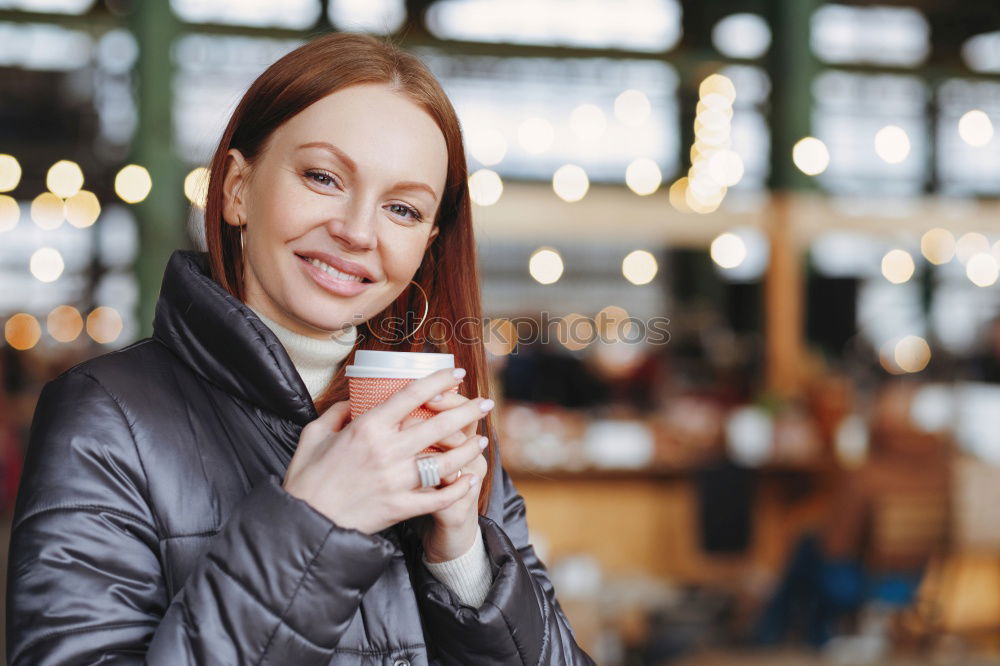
(355, 227)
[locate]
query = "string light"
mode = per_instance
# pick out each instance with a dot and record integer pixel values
(10, 172)
(639, 267)
(22, 331)
(728, 250)
(10, 213)
(975, 128)
(196, 186)
(46, 264)
(632, 107)
(643, 176)
(811, 156)
(485, 187)
(133, 183)
(545, 265)
(48, 211)
(570, 183)
(897, 266)
(64, 178)
(938, 246)
(82, 209)
(892, 144)
(104, 325)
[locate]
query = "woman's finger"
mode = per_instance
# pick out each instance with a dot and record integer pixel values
(430, 501)
(336, 415)
(445, 400)
(413, 395)
(444, 424)
(450, 462)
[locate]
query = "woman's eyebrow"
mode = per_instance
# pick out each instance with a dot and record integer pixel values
(352, 166)
(341, 155)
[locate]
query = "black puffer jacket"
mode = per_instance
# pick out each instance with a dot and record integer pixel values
(151, 525)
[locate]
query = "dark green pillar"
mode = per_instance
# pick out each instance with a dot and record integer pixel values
(163, 215)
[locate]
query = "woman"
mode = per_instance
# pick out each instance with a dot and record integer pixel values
(201, 497)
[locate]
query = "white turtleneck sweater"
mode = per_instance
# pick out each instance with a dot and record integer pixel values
(317, 360)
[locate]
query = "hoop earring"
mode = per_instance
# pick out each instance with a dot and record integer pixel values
(423, 317)
(243, 249)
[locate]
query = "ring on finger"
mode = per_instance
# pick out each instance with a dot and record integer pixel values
(430, 474)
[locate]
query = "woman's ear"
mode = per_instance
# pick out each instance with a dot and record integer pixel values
(234, 181)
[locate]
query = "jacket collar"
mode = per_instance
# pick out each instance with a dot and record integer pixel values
(223, 341)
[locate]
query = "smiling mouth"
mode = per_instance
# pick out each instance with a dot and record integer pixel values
(330, 270)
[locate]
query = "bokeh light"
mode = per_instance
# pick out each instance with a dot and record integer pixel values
(485, 187)
(971, 244)
(632, 107)
(47, 264)
(725, 167)
(587, 122)
(82, 209)
(104, 325)
(133, 183)
(64, 178)
(811, 156)
(488, 146)
(196, 186)
(639, 267)
(643, 176)
(892, 144)
(678, 195)
(938, 246)
(535, 135)
(48, 211)
(728, 250)
(570, 183)
(975, 128)
(500, 336)
(10, 213)
(912, 353)
(65, 323)
(982, 269)
(545, 265)
(575, 331)
(22, 331)
(897, 266)
(10, 172)
(717, 84)
(610, 322)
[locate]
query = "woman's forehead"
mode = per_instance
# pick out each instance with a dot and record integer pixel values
(374, 127)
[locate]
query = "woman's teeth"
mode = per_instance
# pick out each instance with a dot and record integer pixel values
(333, 271)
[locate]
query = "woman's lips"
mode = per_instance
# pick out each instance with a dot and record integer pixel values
(332, 284)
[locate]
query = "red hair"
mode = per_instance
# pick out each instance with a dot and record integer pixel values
(448, 273)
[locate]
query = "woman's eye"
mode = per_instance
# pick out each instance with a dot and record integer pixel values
(321, 178)
(404, 211)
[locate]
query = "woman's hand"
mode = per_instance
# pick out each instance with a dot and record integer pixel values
(453, 530)
(363, 474)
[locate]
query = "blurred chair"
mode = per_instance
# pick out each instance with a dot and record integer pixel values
(960, 595)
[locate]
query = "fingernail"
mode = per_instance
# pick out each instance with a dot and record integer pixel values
(458, 373)
(473, 479)
(437, 397)
(483, 442)
(486, 405)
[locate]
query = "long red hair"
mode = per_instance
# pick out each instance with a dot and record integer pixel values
(448, 274)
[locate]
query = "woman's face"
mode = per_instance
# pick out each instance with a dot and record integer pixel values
(347, 189)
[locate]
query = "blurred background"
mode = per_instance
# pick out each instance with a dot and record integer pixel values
(739, 271)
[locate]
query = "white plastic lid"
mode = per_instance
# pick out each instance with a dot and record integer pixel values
(400, 365)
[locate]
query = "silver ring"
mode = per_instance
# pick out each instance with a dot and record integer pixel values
(430, 475)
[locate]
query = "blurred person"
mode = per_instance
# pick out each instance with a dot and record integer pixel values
(202, 496)
(886, 520)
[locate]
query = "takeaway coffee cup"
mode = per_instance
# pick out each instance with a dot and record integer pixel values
(376, 375)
